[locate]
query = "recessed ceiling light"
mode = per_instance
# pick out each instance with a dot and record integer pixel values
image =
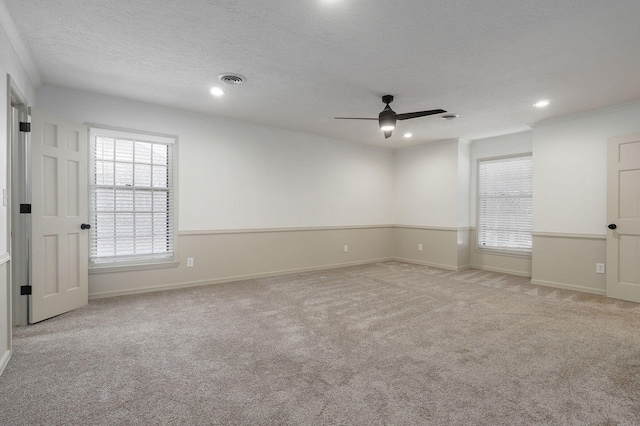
(449, 116)
(408, 135)
(216, 91)
(541, 104)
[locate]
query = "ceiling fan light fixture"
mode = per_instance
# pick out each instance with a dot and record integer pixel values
(387, 120)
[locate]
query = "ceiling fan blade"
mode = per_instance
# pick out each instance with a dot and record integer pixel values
(353, 118)
(387, 133)
(408, 115)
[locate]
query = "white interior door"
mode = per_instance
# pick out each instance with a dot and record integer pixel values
(623, 215)
(59, 247)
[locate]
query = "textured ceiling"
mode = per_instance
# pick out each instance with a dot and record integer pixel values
(308, 61)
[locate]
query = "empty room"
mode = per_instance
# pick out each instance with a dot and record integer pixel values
(320, 212)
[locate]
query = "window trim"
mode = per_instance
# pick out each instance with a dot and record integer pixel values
(123, 266)
(493, 250)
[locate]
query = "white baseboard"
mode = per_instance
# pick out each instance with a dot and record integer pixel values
(4, 361)
(570, 287)
(502, 271)
(149, 289)
(435, 265)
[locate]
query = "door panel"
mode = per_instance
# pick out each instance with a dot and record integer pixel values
(628, 271)
(59, 249)
(51, 273)
(630, 185)
(623, 210)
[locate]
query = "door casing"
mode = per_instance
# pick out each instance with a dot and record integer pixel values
(17, 182)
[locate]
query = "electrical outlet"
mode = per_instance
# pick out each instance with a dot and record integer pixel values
(600, 268)
(419, 247)
(346, 248)
(189, 262)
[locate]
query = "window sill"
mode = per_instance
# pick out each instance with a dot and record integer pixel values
(507, 253)
(130, 268)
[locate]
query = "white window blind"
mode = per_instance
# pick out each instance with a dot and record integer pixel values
(505, 206)
(131, 197)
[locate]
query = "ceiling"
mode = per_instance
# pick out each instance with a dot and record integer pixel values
(307, 61)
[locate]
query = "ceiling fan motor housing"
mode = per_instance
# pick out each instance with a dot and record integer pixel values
(388, 116)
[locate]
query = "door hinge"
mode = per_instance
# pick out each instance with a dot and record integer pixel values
(25, 290)
(25, 208)
(25, 127)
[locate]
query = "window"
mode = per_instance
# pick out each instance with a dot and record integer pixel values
(505, 204)
(131, 198)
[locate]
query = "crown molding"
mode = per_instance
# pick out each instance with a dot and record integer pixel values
(585, 114)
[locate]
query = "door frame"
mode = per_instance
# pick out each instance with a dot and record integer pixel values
(17, 181)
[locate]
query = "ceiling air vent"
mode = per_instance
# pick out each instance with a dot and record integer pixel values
(231, 78)
(448, 116)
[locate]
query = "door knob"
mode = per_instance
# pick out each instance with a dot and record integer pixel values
(85, 226)
(612, 226)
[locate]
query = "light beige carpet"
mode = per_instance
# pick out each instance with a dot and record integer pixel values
(383, 344)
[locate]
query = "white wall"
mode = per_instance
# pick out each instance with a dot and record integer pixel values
(235, 175)
(9, 65)
(570, 196)
(426, 185)
(570, 170)
(432, 204)
(464, 183)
